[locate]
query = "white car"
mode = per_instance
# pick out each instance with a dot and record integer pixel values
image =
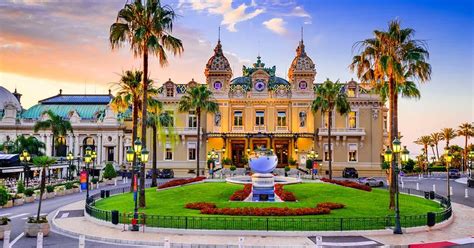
(371, 181)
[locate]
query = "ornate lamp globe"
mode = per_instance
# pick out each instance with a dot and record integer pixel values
(388, 155)
(25, 153)
(397, 145)
(87, 158)
(137, 146)
(69, 156)
(449, 157)
(88, 150)
(145, 153)
(471, 154)
(223, 150)
(28, 158)
(130, 154)
(405, 154)
(22, 158)
(94, 155)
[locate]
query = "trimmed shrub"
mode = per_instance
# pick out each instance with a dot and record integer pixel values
(233, 168)
(284, 195)
(68, 185)
(29, 192)
(270, 211)
(4, 196)
(109, 171)
(20, 187)
(241, 194)
(330, 205)
(200, 205)
(437, 168)
(49, 188)
(347, 183)
(178, 182)
(94, 180)
(226, 161)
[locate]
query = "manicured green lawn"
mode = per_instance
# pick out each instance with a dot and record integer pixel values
(358, 203)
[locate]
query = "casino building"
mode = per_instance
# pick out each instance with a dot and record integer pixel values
(256, 109)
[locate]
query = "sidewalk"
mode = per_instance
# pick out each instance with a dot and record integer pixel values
(460, 228)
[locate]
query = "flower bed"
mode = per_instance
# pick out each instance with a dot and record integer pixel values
(330, 205)
(178, 182)
(284, 195)
(242, 194)
(349, 184)
(270, 211)
(200, 205)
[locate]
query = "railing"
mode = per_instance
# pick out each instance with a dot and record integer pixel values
(342, 131)
(237, 128)
(281, 128)
(259, 128)
(270, 223)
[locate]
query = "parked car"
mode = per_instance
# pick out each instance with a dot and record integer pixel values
(454, 173)
(350, 172)
(166, 173)
(371, 181)
(150, 173)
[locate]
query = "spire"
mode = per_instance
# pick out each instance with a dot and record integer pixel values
(301, 34)
(218, 48)
(219, 35)
(300, 49)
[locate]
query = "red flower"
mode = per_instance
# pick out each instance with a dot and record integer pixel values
(284, 195)
(330, 205)
(347, 183)
(242, 194)
(269, 211)
(200, 205)
(178, 182)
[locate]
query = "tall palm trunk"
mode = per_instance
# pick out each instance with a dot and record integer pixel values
(393, 133)
(432, 149)
(155, 158)
(437, 151)
(464, 167)
(198, 146)
(329, 142)
(52, 147)
(142, 201)
(43, 179)
(134, 137)
(426, 155)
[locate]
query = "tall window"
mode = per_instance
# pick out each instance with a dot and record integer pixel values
(171, 115)
(326, 120)
(168, 154)
(352, 152)
(352, 119)
(351, 92)
(191, 151)
(326, 152)
(169, 91)
(110, 153)
(281, 119)
(259, 118)
(238, 119)
(385, 123)
(192, 119)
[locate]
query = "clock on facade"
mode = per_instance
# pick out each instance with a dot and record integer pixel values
(259, 84)
(303, 85)
(217, 85)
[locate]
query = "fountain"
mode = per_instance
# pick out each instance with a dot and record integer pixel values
(263, 163)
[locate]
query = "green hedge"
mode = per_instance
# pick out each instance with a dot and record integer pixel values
(437, 168)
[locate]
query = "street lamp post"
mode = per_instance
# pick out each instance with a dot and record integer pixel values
(87, 161)
(312, 156)
(24, 159)
(70, 158)
(391, 157)
(142, 156)
(93, 157)
(213, 156)
(448, 157)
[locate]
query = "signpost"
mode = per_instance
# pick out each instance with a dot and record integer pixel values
(83, 180)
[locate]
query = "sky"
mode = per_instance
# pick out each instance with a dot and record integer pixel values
(47, 45)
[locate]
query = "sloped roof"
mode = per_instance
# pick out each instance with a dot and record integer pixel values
(85, 111)
(78, 99)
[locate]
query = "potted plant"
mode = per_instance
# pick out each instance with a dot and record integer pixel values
(287, 169)
(232, 169)
(94, 182)
(5, 198)
(29, 195)
(39, 223)
(226, 161)
(20, 187)
(18, 199)
(4, 226)
(68, 187)
(109, 173)
(292, 162)
(50, 192)
(60, 190)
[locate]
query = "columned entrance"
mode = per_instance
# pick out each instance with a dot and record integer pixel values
(258, 144)
(238, 152)
(281, 151)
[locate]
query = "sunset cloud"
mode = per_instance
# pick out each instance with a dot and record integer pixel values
(276, 25)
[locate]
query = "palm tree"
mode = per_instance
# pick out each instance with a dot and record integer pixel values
(448, 134)
(466, 130)
(43, 162)
(30, 143)
(436, 137)
(425, 141)
(392, 56)
(198, 98)
(162, 126)
(59, 127)
(330, 96)
(147, 28)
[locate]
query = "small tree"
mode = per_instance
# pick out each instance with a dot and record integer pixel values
(20, 187)
(4, 196)
(109, 172)
(43, 162)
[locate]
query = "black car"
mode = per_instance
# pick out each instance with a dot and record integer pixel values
(350, 172)
(166, 173)
(454, 173)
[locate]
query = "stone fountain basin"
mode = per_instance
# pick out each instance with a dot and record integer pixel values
(248, 179)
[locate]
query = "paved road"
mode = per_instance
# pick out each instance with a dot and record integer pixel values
(18, 216)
